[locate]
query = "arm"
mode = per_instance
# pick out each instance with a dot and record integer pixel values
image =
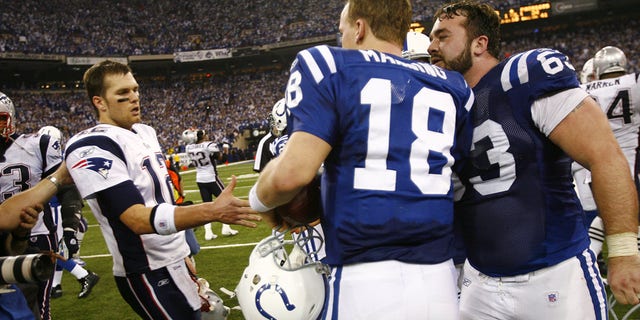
(284, 176)
(11, 209)
(226, 209)
(586, 136)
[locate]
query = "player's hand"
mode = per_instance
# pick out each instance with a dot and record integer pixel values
(231, 210)
(624, 278)
(28, 219)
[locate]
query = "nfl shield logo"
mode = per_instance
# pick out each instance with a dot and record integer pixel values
(552, 297)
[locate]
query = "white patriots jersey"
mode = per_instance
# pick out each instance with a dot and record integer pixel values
(29, 158)
(105, 156)
(619, 99)
(201, 155)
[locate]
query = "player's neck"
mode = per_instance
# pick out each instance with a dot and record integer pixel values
(481, 66)
(382, 46)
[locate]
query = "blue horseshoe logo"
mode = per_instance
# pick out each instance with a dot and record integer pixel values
(282, 294)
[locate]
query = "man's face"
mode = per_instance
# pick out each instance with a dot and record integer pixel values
(450, 47)
(121, 101)
(347, 30)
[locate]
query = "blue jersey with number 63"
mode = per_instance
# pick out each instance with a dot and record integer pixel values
(396, 128)
(519, 212)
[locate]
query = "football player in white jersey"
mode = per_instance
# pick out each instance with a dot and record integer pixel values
(618, 94)
(203, 154)
(118, 167)
(526, 241)
(24, 160)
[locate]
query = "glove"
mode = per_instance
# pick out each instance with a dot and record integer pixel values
(70, 240)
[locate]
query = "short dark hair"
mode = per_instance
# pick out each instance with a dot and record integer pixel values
(482, 19)
(94, 77)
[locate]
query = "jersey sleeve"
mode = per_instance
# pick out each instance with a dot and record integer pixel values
(541, 72)
(309, 93)
(96, 163)
(52, 153)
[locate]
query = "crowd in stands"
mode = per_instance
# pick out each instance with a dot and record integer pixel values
(108, 28)
(224, 105)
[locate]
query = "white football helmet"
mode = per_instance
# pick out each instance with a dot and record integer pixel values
(278, 118)
(281, 285)
(213, 309)
(416, 47)
(189, 136)
(609, 59)
(587, 75)
(7, 110)
(51, 131)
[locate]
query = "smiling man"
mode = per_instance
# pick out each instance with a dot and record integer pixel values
(119, 168)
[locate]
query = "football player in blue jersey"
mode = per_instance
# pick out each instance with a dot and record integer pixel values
(389, 131)
(525, 236)
(119, 168)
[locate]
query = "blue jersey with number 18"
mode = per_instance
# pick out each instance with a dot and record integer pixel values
(519, 212)
(396, 128)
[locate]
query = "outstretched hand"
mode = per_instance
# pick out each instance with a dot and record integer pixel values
(232, 210)
(624, 278)
(28, 219)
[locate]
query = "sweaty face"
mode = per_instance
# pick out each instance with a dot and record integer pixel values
(347, 30)
(450, 47)
(120, 105)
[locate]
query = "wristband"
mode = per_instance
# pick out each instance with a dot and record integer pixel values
(162, 219)
(55, 182)
(622, 244)
(255, 202)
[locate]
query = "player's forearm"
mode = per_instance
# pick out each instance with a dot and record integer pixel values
(274, 186)
(10, 209)
(615, 195)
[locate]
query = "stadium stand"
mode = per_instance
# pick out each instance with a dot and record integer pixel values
(232, 102)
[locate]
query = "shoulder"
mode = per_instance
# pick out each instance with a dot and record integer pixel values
(99, 136)
(540, 71)
(318, 61)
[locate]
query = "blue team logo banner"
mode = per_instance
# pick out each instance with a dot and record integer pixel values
(98, 164)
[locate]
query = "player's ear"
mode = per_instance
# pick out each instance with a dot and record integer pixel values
(98, 102)
(479, 45)
(360, 30)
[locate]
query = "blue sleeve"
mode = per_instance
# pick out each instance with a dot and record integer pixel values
(310, 94)
(115, 200)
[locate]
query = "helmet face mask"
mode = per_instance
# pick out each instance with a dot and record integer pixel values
(416, 47)
(281, 283)
(278, 118)
(213, 307)
(7, 113)
(609, 59)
